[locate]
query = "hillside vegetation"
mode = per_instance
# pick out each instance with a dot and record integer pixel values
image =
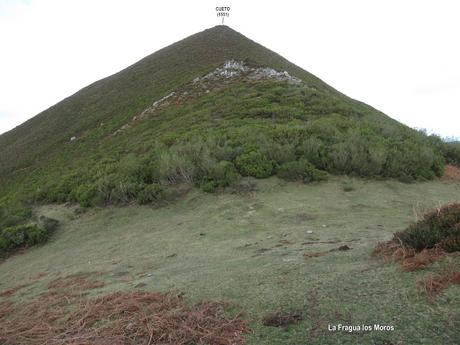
(142, 133)
(452, 152)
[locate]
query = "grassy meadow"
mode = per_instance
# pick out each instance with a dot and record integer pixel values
(248, 249)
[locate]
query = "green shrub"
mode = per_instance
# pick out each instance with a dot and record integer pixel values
(222, 174)
(278, 153)
(22, 236)
(14, 236)
(357, 153)
(244, 186)
(436, 227)
(85, 194)
(149, 193)
(223, 151)
(338, 159)
(174, 168)
(209, 186)
(3, 245)
(451, 244)
(49, 224)
(451, 152)
(438, 166)
(255, 164)
(147, 171)
(116, 189)
(348, 186)
(35, 235)
(293, 171)
(14, 213)
(301, 170)
(312, 149)
(410, 159)
(124, 192)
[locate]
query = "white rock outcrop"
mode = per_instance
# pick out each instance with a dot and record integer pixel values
(231, 70)
(234, 69)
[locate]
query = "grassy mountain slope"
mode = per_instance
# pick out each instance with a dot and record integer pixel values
(207, 133)
(115, 99)
(106, 104)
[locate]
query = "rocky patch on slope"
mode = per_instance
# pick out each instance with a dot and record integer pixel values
(219, 78)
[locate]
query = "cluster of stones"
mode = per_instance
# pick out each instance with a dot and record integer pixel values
(235, 69)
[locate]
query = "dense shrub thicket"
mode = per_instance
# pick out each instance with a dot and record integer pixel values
(438, 227)
(13, 213)
(25, 235)
(218, 158)
(301, 170)
(451, 152)
(17, 230)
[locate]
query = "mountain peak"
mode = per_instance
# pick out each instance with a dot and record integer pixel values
(111, 102)
(215, 84)
(129, 91)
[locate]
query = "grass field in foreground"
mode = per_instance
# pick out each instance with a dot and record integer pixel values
(249, 250)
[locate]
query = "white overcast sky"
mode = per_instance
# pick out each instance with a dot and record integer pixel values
(400, 56)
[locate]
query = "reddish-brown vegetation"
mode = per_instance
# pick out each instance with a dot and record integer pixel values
(451, 173)
(76, 282)
(61, 316)
(432, 285)
(422, 259)
(13, 290)
(316, 254)
(407, 257)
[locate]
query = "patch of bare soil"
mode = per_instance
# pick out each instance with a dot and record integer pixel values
(281, 318)
(317, 254)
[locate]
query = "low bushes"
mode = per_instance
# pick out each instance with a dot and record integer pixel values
(301, 170)
(214, 158)
(424, 241)
(220, 175)
(14, 213)
(22, 236)
(149, 194)
(255, 164)
(451, 152)
(348, 186)
(439, 227)
(49, 224)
